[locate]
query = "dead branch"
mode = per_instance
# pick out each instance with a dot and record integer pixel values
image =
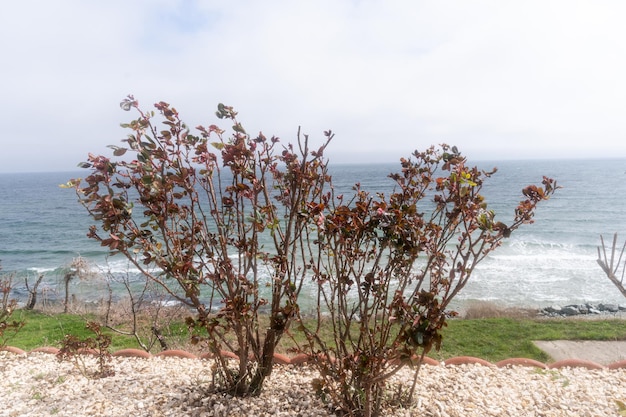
(609, 266)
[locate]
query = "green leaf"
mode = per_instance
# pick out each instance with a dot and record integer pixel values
(149, 145)
(117, 151)
(622, 407)
(238, 128)
(218, 145)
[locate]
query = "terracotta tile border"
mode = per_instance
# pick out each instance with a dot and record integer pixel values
(175, 353)
(13, 349)
(299, 359)
(93, 352)
(521, 362)
(431, 361)
(303, 358)
(466, 360)
(618, 364)
(576, 363)
(46, 349)
(132, 353)
(282, 359)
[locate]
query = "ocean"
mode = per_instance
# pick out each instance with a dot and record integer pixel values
(551, 262)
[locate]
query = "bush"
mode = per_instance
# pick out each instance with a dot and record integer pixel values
(74, 349)
(387, 268)
(188, 211)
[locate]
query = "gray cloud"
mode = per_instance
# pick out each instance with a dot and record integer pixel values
(497, 79)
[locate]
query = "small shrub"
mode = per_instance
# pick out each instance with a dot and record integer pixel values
(76, 349)
(8, 326)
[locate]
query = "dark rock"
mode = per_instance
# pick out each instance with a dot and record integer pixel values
(583, 309)
(570, 311)
(612, 308)
(553, 310)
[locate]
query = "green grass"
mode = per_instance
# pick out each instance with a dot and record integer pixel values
(49, 330)
(493, 339)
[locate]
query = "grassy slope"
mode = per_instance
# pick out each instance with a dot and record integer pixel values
(492, 339)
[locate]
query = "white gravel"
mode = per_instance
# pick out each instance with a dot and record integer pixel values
(36, 384)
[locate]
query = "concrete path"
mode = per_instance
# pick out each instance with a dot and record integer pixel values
(604, 353)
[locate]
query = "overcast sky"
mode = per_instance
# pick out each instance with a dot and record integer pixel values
(499, 79)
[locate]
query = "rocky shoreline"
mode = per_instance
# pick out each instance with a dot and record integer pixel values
(589, 310)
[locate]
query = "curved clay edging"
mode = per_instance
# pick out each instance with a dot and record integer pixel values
(12, 349)
(281, 359)
(466, 360)
(618, 365)
(430, 361)
(132, 353)
(576, 363)
(46, 349)
(299, 359)
(176, 353)
(304, 358)
(521, 362)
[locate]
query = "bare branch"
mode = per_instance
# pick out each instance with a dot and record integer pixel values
(611, 269)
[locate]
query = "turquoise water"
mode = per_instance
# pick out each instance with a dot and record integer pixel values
(42, 228)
